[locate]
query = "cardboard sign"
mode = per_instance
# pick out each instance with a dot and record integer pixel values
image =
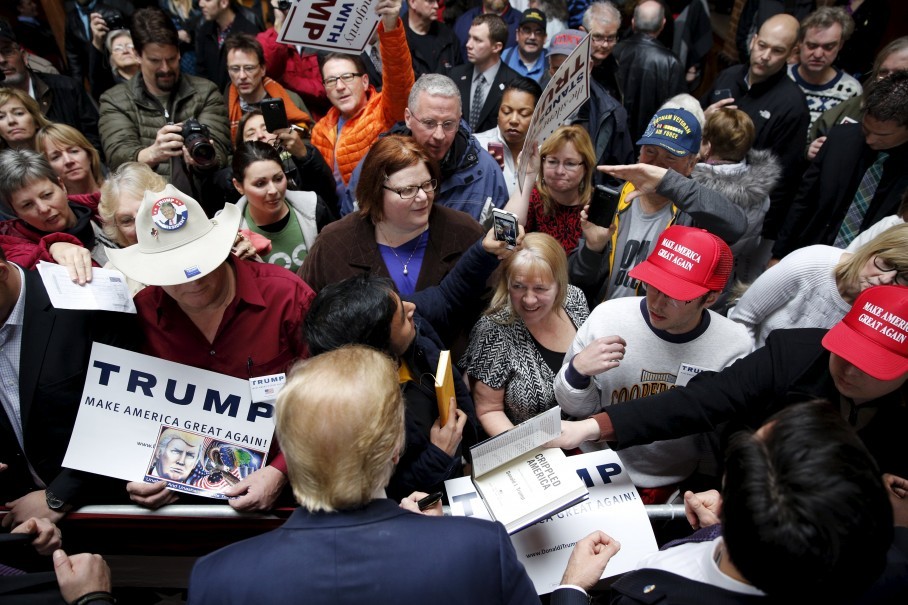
(332, 25)
(145, 419)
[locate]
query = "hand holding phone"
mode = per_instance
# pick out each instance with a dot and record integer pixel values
(497, 151)
(721, 93)
(274, 113)
(603, 206)
(505, 224)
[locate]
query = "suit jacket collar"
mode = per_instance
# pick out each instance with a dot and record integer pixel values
(36, 328)
(375, 511)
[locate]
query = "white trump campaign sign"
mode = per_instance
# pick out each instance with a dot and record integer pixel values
(333, 25)
(145, 419)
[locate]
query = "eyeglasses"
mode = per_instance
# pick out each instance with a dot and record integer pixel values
(9, 51)
(410, 191)
(531, 31)
(673, 302)
(569, 165)
(432, 125)
(246, 69)
(123, 48)
(901, 275)
(347, 78)
(600, 39)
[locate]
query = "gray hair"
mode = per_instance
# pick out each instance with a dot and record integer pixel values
(435, 85)
(648, 17)
(601, 12)
(688, 102)
(20, 168)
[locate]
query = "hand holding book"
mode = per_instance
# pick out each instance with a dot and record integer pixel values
(446, 436)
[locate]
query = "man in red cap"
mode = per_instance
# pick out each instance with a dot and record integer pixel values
(635, 347)
(860, 366)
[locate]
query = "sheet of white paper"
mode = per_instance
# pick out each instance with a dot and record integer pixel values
(613, 507)
(107, 290)
(524, 437)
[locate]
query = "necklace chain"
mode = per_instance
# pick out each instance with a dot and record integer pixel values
(405, 265)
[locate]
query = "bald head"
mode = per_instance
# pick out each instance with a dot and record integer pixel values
(649, 18)
(771, 47)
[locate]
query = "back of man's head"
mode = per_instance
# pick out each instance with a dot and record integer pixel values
(649, 17)
(340, 422)
(151, 25)
(357, 310)
(887, 99)
(804, 506)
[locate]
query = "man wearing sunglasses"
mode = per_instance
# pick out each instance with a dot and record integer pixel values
(635, 347)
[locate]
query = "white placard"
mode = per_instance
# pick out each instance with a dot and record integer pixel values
(613, 507)
(568, 89)
(145, 419)
(332, 25)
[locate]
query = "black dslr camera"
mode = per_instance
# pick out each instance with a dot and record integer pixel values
(283, 5)
(114, 19)
(197, 140)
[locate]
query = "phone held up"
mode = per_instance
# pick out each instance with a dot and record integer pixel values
(719, 94)
(274, 113)
(603, 205)
(505, 224)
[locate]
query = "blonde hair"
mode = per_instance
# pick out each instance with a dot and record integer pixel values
(730, 133)
(340, 423)
(540, 255)
(584, 146)
(7, 94)
(891, 246)
(131, 178)
(65, 135)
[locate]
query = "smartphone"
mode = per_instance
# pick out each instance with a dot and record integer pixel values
(505, 225)
(497, 151)
(721, 93)
(429, 501)
(603, 205)
(274, 113)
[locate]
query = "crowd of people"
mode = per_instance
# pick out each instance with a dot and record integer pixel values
(329, 215)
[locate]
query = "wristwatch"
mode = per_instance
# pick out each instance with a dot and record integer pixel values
(56, 503)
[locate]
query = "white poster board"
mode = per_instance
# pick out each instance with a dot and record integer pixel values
(331, 25)
(145, 419)
(613, 507)
(568, 89)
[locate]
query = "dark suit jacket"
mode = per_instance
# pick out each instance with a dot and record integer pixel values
(488, 117)
(376, 554)
(56, 346)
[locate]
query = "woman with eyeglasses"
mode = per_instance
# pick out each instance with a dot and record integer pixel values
(112, 58)
(398, 231)
(517, 347)
(557, 185)
(815, 286)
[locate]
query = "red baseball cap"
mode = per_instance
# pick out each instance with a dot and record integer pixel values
(687, 263)
(873, 336)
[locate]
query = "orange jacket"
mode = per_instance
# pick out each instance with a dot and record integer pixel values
(380, 113)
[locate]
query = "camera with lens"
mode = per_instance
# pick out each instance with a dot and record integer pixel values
(197, 140)
(113, 19)
(283, 5)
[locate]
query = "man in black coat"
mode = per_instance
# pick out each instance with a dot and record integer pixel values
(222, 17)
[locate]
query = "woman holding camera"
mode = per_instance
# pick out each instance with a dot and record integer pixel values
(517, 347)
(290, 219)
(552, 198)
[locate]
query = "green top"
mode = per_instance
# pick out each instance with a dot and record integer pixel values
(288, 249)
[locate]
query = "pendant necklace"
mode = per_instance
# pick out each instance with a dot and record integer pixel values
(405, 265)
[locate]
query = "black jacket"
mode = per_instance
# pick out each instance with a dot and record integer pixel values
(211, 59)
(63, 99)
(463, 76)
(781, 118)
(648, 74)
(607, 122)
(792, 367)
(828, 187)
(445, 53)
